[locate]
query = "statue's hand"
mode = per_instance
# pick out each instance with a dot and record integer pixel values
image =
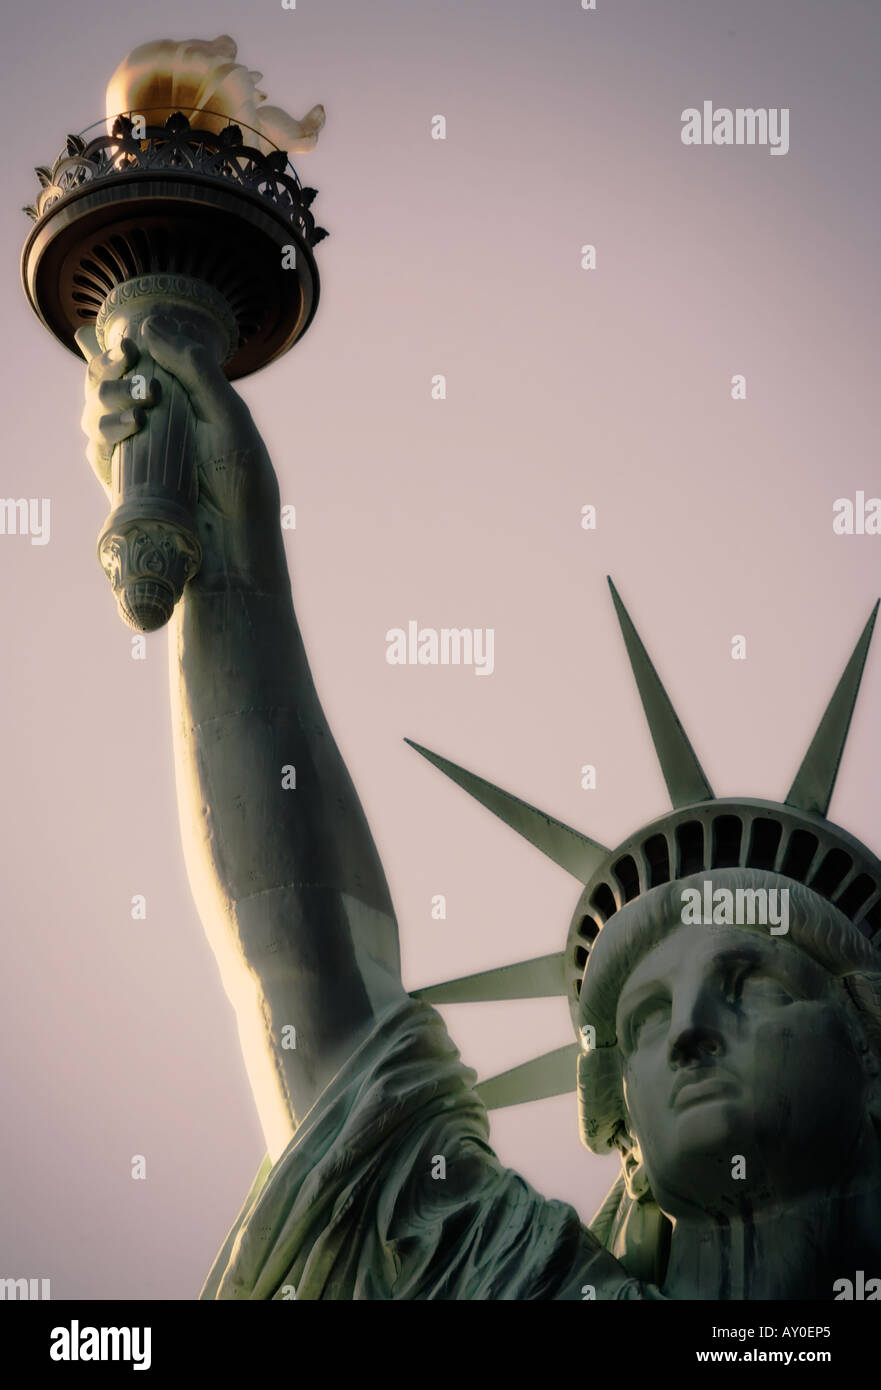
(109, 416)
(238, 504)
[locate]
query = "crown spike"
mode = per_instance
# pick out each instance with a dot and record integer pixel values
(815, 779)
(552, 1074)
(540, 978)
(567, 847)
(685, 778)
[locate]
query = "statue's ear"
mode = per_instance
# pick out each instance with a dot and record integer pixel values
(633, 1169)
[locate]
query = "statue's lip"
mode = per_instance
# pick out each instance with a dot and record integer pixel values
(699, 1084)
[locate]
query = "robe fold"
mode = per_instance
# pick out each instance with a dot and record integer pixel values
(389, 1190)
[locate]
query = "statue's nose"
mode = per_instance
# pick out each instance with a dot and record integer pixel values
(694, 1043)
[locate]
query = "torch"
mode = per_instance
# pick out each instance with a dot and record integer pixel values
(186, 204)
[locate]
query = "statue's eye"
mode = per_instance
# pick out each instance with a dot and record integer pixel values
(750, 985)
(647, 1019)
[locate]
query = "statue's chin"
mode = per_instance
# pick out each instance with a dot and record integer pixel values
(704, 1163)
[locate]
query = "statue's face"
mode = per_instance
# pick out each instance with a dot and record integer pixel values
(738, 1060)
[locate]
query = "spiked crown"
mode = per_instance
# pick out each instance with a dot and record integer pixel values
(702, 832)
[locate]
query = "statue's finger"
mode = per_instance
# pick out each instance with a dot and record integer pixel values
(86, 340)
(113, 428)
(120, 394)
(113, 363)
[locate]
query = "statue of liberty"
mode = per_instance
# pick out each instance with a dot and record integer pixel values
(722, 966)
(734, 1065)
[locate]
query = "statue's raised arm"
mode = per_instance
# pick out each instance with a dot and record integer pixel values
(281, 862)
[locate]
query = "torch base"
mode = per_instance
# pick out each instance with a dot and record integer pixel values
(148, 560)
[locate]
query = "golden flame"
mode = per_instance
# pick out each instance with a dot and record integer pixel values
(200, 76)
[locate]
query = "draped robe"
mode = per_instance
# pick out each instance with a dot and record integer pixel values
(360, 1206)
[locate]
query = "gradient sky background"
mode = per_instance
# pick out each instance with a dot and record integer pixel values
(565, 387)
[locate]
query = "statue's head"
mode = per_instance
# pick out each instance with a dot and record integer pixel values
(740, 1017)
(723, 975)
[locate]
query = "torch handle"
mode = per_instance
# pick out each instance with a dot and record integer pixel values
(158, 461)
(149, 547)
